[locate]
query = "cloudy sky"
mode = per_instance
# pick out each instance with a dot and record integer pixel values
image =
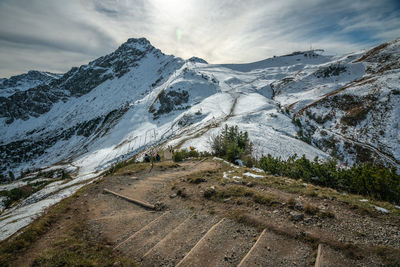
(55, 35)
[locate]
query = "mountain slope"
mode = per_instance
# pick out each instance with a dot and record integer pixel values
(136, 97)
(359, 122)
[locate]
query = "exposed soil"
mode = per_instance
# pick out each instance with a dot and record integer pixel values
(195, 230)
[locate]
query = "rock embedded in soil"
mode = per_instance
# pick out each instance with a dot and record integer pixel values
(296, 216)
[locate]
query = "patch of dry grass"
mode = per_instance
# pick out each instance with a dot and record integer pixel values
(74, 249)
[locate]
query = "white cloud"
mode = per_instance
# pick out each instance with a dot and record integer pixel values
(55, 34)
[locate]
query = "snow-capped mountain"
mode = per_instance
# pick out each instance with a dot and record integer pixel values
(25, 81)
(136, 97)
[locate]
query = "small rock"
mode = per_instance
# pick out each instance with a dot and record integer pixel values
(159, 206)
(172, 196)
(296, 216)
(308, 220)
(117, 263)
(275, 211)
(298, 205)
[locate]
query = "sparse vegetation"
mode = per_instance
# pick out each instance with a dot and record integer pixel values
(184, 154)
(23, 192)
(74, 250)
(118, 166)
(291, 203)
(65, 175)
(236, 191)
(197, 180)
(311, 209)
(368, 180)
(10, 248)
(178, 156)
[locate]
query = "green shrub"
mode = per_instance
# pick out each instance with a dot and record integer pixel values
(65, 175)
(248, 161)
(179, 156)
(369, 180)
(231, 144)
(192, 154)
(205, 154)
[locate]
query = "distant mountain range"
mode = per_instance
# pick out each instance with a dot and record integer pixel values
(347, 107)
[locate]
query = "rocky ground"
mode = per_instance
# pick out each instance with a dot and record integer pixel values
(209, 213)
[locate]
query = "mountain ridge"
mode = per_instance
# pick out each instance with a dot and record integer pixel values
(137, 96)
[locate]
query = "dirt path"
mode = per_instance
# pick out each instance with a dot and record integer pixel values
(224, 230)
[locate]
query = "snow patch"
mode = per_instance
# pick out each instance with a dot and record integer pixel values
(381, 209)
(249, 174)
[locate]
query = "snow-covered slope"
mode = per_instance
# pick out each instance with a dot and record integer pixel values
(359, 122)
(137, 97)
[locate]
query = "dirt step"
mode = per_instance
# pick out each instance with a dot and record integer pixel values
(170, 250)
(328, 256)
(143, 240)
(225, 244)
(277, 250)
(116, 228)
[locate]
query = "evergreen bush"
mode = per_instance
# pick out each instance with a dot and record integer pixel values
(179, 156)
(231, 144)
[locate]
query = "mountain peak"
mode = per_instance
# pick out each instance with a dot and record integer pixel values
(197, 60)
(141, 40)
(141, 44)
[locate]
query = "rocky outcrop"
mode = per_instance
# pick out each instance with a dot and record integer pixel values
(75, 83)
